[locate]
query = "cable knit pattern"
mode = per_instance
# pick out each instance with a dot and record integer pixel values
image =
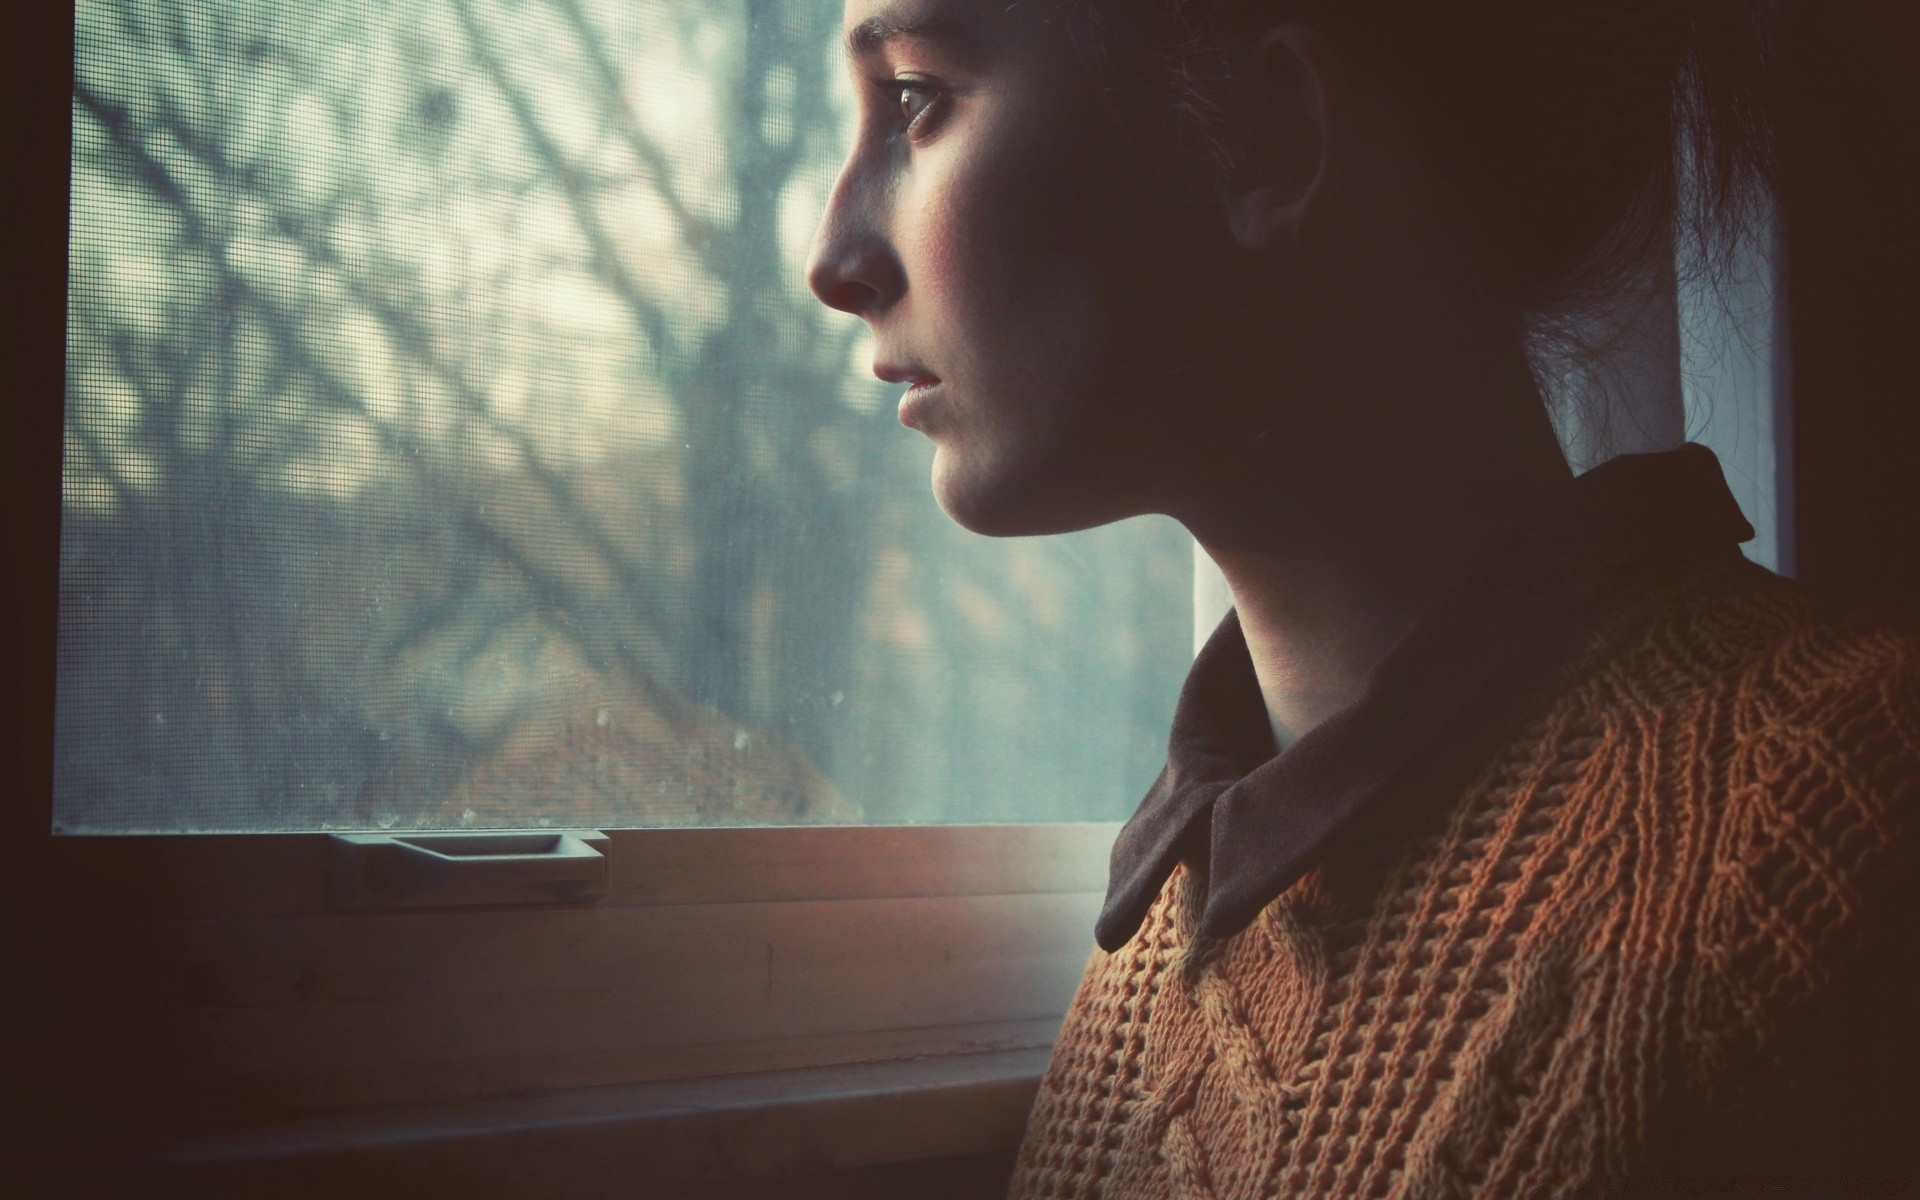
(1605, 959)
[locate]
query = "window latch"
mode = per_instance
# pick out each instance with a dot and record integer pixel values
(463, 870)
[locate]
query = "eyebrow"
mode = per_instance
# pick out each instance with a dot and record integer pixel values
(874, 33)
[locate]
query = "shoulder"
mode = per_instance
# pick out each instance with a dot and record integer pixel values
(1815, 698)
(1804, 819)
(1800, 725)
(1779, 730)
(1779, 664)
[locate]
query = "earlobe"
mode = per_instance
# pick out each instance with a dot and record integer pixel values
(1292, 138)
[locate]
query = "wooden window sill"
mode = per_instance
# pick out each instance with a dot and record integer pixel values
(632, 1140)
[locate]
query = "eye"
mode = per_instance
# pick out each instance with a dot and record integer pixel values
(916, 99)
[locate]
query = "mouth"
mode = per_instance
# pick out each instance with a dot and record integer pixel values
(915, 409)
(913, 377)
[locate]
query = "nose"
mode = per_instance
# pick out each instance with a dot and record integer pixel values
(852, 266)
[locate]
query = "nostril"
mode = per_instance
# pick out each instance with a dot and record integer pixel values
(851, 296)
(859, 277)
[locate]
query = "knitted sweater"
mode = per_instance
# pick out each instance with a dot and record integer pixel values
(1654, 941)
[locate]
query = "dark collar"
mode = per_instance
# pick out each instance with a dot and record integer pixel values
(1257, 821)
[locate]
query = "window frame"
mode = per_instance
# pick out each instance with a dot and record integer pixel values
(808, 966)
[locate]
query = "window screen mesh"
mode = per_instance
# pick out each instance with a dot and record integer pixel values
(451, 441)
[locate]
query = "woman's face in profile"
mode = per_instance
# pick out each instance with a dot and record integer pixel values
(1001, 225)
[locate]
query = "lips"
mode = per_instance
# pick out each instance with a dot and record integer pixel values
(909, 375)
(916, 407)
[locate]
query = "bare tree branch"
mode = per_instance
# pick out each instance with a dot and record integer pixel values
(695, 232)
(407, 330)
(606, 254)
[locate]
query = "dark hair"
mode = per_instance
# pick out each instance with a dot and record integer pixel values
(1555, 121)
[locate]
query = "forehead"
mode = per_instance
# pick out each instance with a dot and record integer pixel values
(875, 26)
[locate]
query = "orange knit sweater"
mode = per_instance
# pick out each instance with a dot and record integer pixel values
(1660, 941)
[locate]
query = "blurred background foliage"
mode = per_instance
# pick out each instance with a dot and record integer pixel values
(451, 441)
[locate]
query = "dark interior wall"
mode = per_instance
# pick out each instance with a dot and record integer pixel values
(47, 1044)
(38, 80)
(1851, 196)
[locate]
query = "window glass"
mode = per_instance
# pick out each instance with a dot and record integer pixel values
(451, 442)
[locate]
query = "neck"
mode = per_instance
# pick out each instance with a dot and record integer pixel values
(1332, 559)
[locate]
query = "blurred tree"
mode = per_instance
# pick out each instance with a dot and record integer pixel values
(452, 440)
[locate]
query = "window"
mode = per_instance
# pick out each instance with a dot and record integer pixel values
(452, 443)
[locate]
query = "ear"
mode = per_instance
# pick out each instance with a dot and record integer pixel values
(1291, 137)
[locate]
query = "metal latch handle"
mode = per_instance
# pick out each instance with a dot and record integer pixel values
(437, 870)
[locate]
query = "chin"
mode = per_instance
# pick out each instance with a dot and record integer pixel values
(1006, 503)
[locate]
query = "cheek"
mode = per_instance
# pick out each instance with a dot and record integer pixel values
(971, 223)
(1040, 282)
(936, 238)
(1008, 265)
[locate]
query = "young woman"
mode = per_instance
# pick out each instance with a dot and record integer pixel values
(1517, 836)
